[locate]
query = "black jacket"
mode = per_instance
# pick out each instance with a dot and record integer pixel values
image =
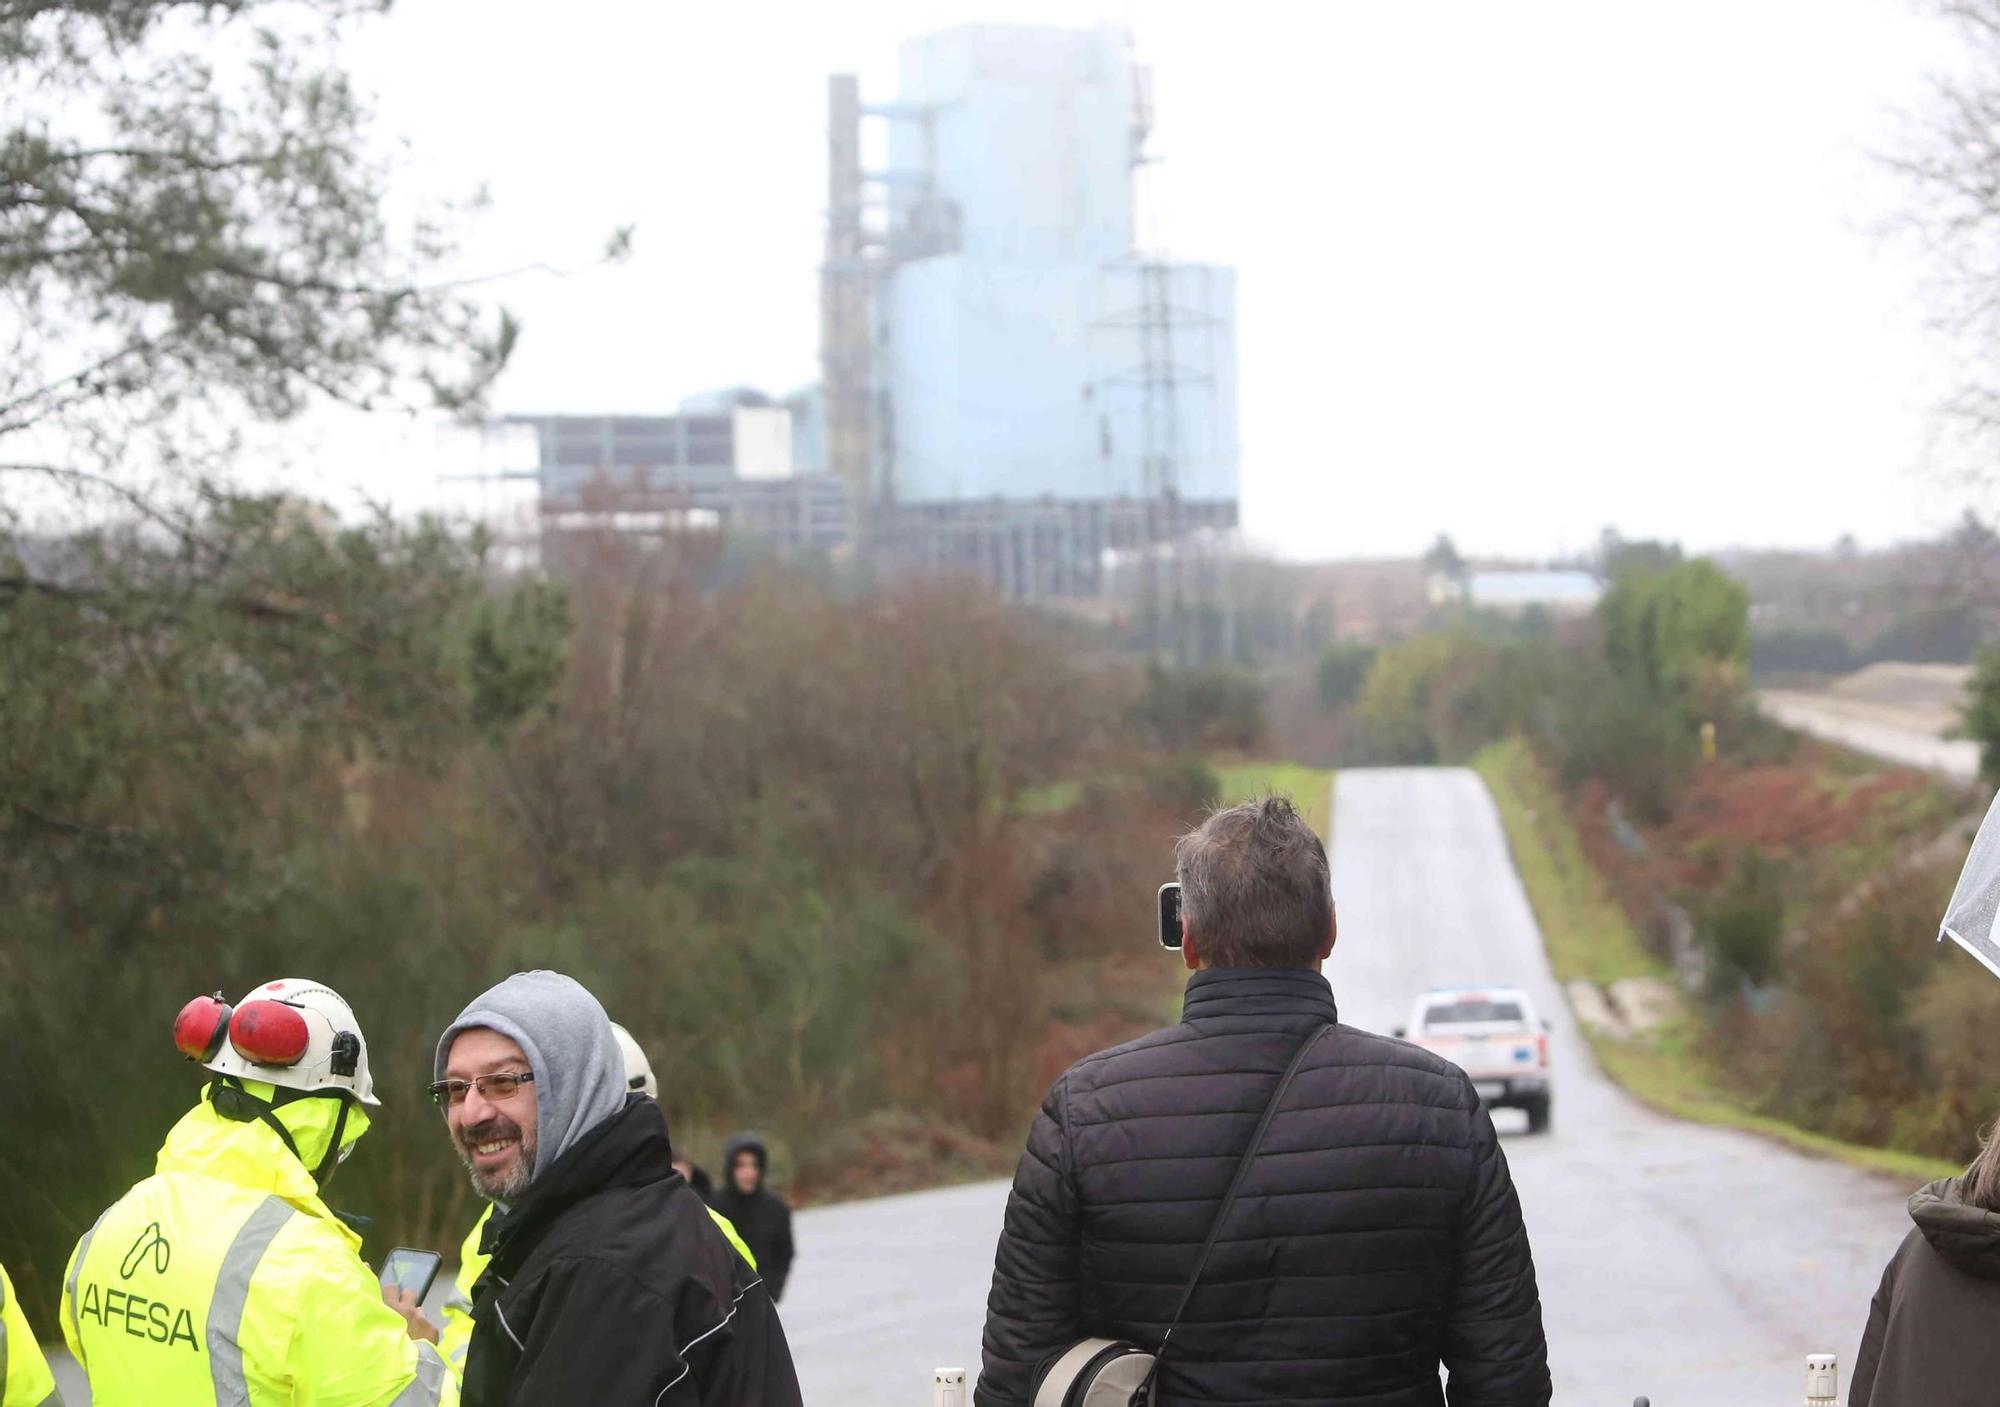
(610, 1284)
(1930, 1340)
(1377, 1237)
(762, 1219)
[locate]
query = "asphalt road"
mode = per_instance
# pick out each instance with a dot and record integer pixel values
(1692, 1264)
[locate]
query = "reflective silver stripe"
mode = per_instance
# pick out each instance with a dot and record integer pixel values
(54, 1399)
(75, 1271)
(428, 1386)
(232, 1292)
(459, 1304)
(687, 1367)
(500, 1314)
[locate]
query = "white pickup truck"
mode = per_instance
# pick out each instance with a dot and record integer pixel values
(1494, 1035)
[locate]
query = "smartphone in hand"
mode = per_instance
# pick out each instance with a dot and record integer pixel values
(408, 1268)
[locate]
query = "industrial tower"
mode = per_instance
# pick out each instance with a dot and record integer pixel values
(1011, 386)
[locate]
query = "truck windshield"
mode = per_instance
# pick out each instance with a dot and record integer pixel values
(1467, 1011)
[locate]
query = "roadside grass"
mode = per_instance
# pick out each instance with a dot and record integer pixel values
(1310, 788)
(1587, 934)
(1237, 779)
(1664, 1073)
(1589, 938)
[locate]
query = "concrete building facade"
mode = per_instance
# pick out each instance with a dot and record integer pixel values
(724, 464)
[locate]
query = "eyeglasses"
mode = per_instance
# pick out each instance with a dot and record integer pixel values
(492, 1088)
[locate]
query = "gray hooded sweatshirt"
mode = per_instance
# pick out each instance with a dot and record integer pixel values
(579, 1070)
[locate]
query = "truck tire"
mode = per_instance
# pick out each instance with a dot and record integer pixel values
(1540, 1114)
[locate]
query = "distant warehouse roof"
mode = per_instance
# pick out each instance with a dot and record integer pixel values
(1561, 592)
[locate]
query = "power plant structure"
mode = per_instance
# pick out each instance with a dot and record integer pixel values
(1011, 385)
(726, 462)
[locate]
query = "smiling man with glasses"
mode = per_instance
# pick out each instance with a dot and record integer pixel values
(493, 1129)
(608, 1281)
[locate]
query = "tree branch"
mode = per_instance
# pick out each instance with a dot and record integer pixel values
(257, 608)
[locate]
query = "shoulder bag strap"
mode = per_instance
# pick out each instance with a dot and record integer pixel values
(1228, 1202)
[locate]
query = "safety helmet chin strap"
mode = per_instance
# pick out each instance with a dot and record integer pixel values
(231, 1100)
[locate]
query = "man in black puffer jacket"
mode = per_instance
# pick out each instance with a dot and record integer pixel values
(1378, 1236)
(608, 1280)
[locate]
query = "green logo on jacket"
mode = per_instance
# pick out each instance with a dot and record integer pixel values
(152, 1243)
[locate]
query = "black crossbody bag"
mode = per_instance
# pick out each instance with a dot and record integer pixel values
(1118, 1372)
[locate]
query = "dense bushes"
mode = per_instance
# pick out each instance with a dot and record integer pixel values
(1940, 634)
(1423, 700)
(1680, 637)
(1596, 726)
(1802, 650)
(1620, 698)
(1871, 1032)
(1982, 713)
(1742, 928)
(1206, 707)
(780, 830)
(1811, 891)
(1341, 672)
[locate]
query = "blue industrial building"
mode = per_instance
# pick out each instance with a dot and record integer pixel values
(1014, 385)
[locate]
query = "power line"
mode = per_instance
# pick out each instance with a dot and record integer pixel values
(1160, 322)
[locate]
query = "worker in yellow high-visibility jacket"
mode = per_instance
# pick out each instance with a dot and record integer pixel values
(472, 1260)
(223, 1280)
(25, 1379)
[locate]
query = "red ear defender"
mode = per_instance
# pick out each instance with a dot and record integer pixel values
(270, 1033)
(199, 1029)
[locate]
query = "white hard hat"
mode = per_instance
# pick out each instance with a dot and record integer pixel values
(638, 1069)
(294, 1033)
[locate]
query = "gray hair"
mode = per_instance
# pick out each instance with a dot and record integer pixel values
(1255, 891)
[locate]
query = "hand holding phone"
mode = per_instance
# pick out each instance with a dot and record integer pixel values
(407, 1277)
(405, 1303)
(410, 1269)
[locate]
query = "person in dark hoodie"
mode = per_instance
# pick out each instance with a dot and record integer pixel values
(608, 1281)
(760, 1215)
(1930, 1339)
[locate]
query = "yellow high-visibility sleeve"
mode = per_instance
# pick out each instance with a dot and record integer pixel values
(25, 1379)
(350, 1349)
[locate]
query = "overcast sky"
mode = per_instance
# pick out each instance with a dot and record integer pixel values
(1509, 269)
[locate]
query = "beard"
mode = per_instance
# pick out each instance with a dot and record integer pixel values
(506, 1183)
